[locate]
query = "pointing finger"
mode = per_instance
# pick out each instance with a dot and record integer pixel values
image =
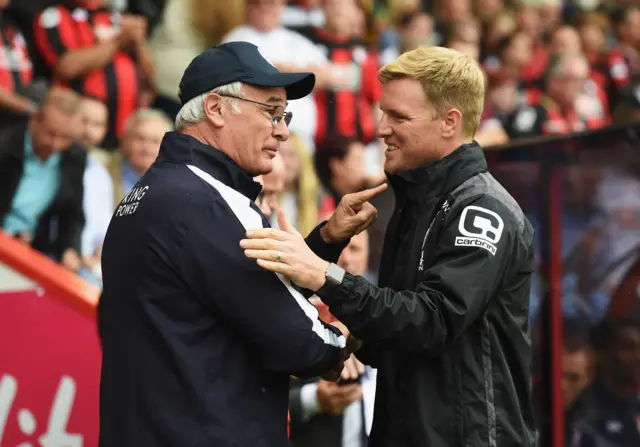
(367, 194)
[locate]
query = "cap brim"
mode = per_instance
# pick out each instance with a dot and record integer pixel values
(297, 85)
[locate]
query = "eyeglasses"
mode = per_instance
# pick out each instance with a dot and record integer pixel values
(277, 113)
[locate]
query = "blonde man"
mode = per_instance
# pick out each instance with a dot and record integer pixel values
(447, 327)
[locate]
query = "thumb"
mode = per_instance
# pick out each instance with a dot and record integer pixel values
(283, 223)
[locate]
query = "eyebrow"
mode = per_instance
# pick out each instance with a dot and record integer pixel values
(274, 99)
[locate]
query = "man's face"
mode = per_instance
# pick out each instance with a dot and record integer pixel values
(518, 54)
(264, 15)
(566, 40)
(272, 186)
(576, 374)
(412, 135)
(624, 355)
(355, 257)
(254, 137)
(94, 116)
(54, 130)
(141, 144)
(340, 15)
(593, 39)
(568, 84)
(348, 173)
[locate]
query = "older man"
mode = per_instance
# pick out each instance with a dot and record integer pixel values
(448, 326)
(198, 341)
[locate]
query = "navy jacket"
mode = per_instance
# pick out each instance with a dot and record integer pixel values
(198, 340)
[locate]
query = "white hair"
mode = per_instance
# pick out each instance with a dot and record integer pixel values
(193, 111)
(146, 114)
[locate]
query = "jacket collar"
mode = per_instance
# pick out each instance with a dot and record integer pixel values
(179, 148)
(439, 178)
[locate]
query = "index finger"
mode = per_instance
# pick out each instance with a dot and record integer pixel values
(268, 233)
(367, 194)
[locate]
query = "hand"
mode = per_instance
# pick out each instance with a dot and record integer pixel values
(133, 29)
(334, 398)
(352, 216)
(352, 369)
(285, 251)
(71, 260)
(24, 237)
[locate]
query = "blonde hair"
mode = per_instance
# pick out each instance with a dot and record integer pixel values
(307, 189)
(449, 78)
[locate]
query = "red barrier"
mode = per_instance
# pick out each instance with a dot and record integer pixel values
(50, 352)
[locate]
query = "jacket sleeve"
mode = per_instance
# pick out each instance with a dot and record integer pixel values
(281, 326)
(72, 217)
(328, 252)
(454, 292)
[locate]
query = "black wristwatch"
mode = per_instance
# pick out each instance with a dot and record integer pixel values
(335, 274)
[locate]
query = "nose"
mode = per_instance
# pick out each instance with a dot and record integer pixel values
(281, 131)
(383, 129)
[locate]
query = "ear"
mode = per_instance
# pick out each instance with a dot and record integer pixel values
(213, 109)
(451, 123)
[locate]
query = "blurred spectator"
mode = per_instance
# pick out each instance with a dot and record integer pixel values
(140, 146)
(328, 413)
(300, 197)
(609, 68)
(16, 69)
(529, 20)
(107, 60)
(502, 26)
(627, 109)
(95, 119)
(607, 412)
(288, 51)
(301, 14)
(348, 107)
(512, 55)
(556, 111)
(98, 188)
(626, 23)
(272, 187)
(487, 10)
(340, 167)
(592, 104)
(41, 173)
(187, 28)
(414, 29)
(577, 360)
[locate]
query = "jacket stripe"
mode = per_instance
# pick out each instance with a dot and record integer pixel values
(249, 218)
(488, 385)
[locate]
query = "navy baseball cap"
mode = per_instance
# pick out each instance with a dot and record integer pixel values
(239, 62)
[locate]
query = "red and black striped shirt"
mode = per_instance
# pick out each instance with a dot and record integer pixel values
(59, 29)
(348, 112)
(16, 69)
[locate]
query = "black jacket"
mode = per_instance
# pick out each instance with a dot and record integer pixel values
(198, 340)
(60, 226)
(448, 327)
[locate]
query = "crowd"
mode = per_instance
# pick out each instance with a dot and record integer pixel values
(88, 89)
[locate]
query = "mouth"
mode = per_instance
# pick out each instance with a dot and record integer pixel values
(272, 152)
(391, 148)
